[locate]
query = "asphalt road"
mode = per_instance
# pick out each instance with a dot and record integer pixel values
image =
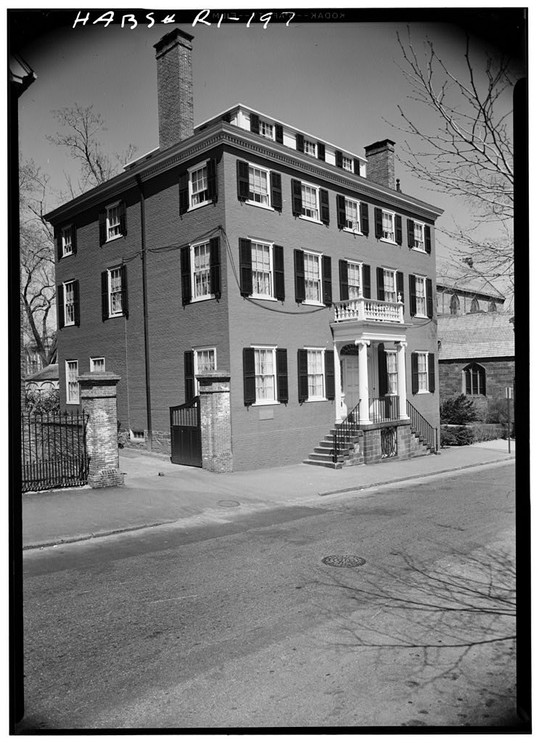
(241, 624)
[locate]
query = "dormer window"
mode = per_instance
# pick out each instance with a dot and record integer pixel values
(347, 163)
(267, 130)
(309, 148)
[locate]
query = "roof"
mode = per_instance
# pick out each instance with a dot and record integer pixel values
(48, 372)
(471, 282)
(477, 336)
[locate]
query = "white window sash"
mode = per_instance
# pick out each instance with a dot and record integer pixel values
(198, 186)
(315, 374)
(72, 385)
(115, 292)
(200, 271)
(265, 375)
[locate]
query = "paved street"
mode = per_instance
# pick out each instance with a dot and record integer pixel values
(240, 623)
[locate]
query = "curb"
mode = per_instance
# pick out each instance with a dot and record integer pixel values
(97, 535)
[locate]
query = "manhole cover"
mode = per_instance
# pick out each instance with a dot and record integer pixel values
(228, 503)
(343, 561)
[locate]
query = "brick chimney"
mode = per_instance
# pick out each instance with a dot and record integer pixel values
(174, 87)
(381, 163)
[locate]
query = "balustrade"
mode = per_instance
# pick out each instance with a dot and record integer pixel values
(369, 309)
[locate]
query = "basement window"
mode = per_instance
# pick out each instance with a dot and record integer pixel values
(138, 436)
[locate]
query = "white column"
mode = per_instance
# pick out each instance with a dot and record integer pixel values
(363, 381)
(338, 385)
(401, 377)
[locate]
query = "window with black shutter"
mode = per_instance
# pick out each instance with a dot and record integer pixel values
(432, 380)
(300, 142)
(185, 269)
(356, 166)
(343, 280)
(296, 198)
(282, 375)
(380, 292)
(73, 239)
(430, 309)
(243, 180)
(338, 158)
(279, 133)
(184, 191)
(246, 269)
(398, 229)
(60, 305)
(249, 381)
(215, 267)
(382, 371)
(326, 280)
(364, 212)
(324, 206)
(299, 275)
(276, 191)
(366, 281)
(278, 272)
(415, 374)
(125, 303)
(427, 238)
(413, 296)
(410, 230)
(400, 286)
(378, 230)
(255, 123)
(76, 302)
(58, 242)
(102, 227)
(105, 295)
(189, 374)
(212, 179)
(321, 151)
(330, 375)
(303, 376)
(123, 218)
(341, 212)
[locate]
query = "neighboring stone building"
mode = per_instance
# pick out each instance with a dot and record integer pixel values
(476, 357)
(44, 381)
(466, 294)
(252, 261)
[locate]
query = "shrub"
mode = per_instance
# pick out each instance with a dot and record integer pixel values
(458, 410)
(451, 435)
(41, 401)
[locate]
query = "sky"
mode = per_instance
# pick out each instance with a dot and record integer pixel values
(342, 82)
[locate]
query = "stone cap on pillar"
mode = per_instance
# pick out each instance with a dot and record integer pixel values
(212, 380)
(98, 384)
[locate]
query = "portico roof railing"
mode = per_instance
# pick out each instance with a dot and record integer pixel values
(372, 310)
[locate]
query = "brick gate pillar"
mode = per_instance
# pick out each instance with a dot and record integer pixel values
(216, 430)
(98, 399)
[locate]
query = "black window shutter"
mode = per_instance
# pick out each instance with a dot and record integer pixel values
(382, 371)
(282, 375)
(300, 142)
(324, 205)
(215, 267)
(105, 295)
(377, 222)
(321, 151)
(60, 305)
(74, 239)
(184, 192)
(356, 166)
(296, 197)
(415, 374)
(330, 375)
(58, 241)
(380, 294)
(243, 180)
(411, 239)
(246, 268)
(125, 299)
(429, 298)
(413, 296)
(427, 238)
(185, 267)
(123, 218)
(189, 374)
(341, 213)
(338, 158)
(366, 281)
(212, 179)
(398, 229)
(276, 191)
(432, 380)
(255, 123)
(299, 275)
(303, 377)
(400, 286)
(278, 272)
(279, 133)
(76, 302)
(249, 382)
(343, 280)
(102, 227)
(326, 280)
(364, 212)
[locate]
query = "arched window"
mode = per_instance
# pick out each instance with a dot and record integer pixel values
(454, 305)
(493, 307)
(474, 378)
(474, 307)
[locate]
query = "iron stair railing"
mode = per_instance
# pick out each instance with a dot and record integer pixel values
(344, 432)
(422, 428)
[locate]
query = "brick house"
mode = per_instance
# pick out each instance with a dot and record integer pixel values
(248, 247)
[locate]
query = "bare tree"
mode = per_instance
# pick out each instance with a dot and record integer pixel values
(469, 152)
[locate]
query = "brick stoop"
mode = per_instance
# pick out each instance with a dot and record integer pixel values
(322, 456)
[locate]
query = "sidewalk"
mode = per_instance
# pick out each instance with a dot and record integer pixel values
(158, 492)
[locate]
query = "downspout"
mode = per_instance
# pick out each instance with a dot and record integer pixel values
(145, 312)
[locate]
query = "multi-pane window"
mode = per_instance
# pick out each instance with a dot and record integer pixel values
(419, 236)
(72, 382)
(388, 226)
(113, 221)
(97, 364)
(454, 305)
(313, 289)
(347, 163)
(474, 380)
(265, 374)
(266, 129)
(420, 296)
(309, 148)
(422, 372)
(201, 284)
(258, 185)
(351, 215)
(390, 286)
(315, 373)
(115, 292)
(354, 281)
(67, 241)
(262, 269)
(309, 201)
(69, 303)
(204, 360)
(392, 378)
(198, 185)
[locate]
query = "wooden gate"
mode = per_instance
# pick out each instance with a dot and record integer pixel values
(185, 438)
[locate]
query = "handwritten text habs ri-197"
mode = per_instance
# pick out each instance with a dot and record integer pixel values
(129, 20)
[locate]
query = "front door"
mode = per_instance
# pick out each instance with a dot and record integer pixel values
(350, 381)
